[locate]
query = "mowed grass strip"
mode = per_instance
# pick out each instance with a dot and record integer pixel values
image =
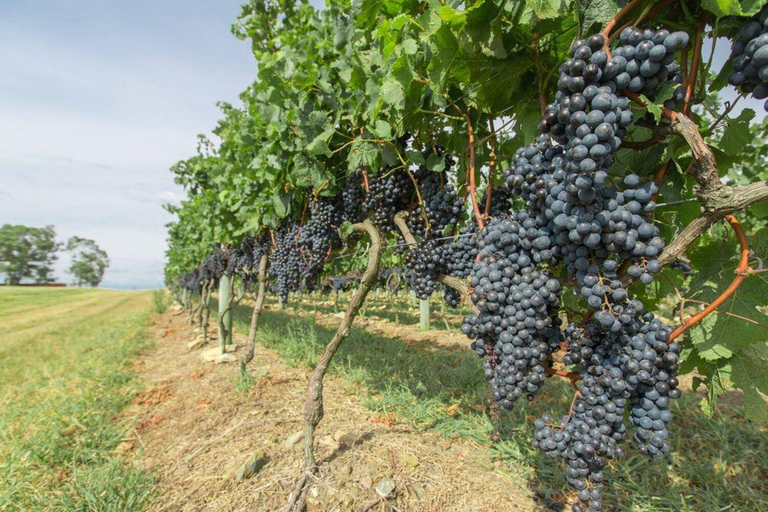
(64, 376)
(717, 464)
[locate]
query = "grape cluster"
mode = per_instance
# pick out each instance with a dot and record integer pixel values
(460, 253)
(392, 279)
(500, 202)
(262, 246)
(515, 327)
(451, 297)
(339, 283)
(351, 198)
(423, 263)
(288, 264)
(590, 113)
(576, 217)
(442, 207)
(750, 57)
(191, 281)
(389, 193)
(319, 235)
(630, 369)
(240, 259)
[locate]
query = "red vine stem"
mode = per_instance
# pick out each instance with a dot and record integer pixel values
(649, 14)
(691, 79)
(491, 166)
(471, 167)
(741, 274)
(365, 181)
(607, 30)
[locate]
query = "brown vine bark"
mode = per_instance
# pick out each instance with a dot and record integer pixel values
(718, 199)
(471, 171)
(247, 355)
(199, 311)
(716, 207)
(313, 407)
(207, 309)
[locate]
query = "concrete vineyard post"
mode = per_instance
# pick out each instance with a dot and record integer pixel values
(225, 312)
(424, 314)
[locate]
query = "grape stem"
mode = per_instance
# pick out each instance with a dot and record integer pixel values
(573, 377)
(247, 355)
(741, 274)
(683, 300)
(607, 30)
(491, 166)
(471, 169)
(691, 79)
(576, 396)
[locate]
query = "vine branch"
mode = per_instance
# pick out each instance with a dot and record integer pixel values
(471, 171)
(741, 274)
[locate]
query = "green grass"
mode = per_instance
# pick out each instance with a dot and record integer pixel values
(399, 308)
(161, 300)
(718, 464)
(64, 376)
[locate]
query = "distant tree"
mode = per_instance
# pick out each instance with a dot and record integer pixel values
(88, 261)
(27, 253)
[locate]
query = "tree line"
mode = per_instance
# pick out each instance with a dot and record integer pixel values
(28, 254)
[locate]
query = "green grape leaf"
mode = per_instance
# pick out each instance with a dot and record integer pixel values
(382, 129)
(718, 381)
(416, 157)
(749, 375)
(364, 155)
(737, 135)
(740, 321)
(392, 93)
(319, 145)
(281, 200)
(544, 9)
(732, 7)
(652, 107)
(435, 163)
(345, 229)
(595, 14)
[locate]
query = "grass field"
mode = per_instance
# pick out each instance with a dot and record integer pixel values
(64, 375)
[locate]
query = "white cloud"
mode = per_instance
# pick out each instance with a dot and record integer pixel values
(97, 101)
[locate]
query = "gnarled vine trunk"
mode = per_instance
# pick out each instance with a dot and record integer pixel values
(249, 350)
(207, 309)
(199, 311)
(225, 312)
(313, 406)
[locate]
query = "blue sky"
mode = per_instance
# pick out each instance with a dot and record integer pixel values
(97, 100)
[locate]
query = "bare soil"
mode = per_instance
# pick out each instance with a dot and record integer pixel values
(194, 429)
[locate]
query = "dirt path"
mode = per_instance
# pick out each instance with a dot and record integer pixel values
(195, 429)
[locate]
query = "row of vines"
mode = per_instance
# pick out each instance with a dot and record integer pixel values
(566, 169)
